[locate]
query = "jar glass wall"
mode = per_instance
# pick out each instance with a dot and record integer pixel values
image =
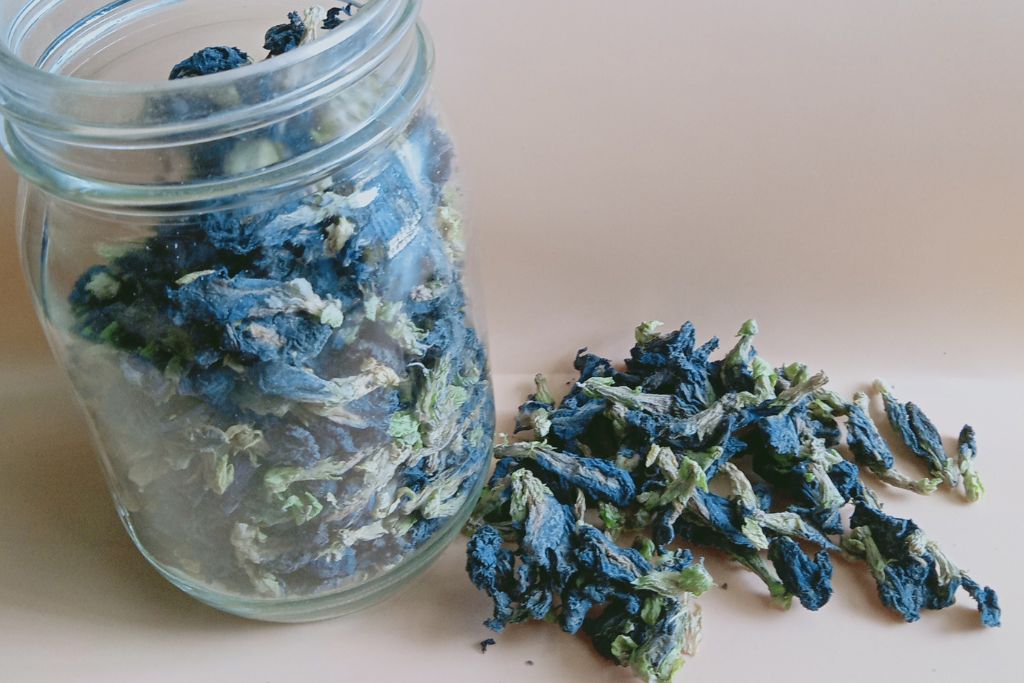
(255, 281)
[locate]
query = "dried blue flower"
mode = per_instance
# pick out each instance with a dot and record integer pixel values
(919, 435)
(912, 572)
(535, 414)
(737, 371)
(967, 452)
(603, 570)
(871, 450)
(988, 601)
(658, 657)
(599, 480)
(714, 521)
(810, 580)
(490, 568)
(210, 60)
(673, 421)
(671, 364)
(334, 16)
(283, 37)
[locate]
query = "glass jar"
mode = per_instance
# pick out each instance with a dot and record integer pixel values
(255, 281)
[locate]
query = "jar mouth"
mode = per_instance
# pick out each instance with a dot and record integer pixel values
(75, 108)
(110, 144)
(16, 70)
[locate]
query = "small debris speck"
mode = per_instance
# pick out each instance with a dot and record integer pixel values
(484, 644)
(529, 662)
(725, 586)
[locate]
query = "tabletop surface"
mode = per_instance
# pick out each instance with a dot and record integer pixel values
(848, 174)
(78, 603)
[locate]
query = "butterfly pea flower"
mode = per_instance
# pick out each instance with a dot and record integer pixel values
(605, 388)
(599, 480)
(436, 501)
(543, 392)
(752, 560)
(618, 420)
(740, 488)
(492, 501)
(560, 556)
(240, 301)
(671, 364)
(313, 20)
(215, 385)
(684, 478)
(334, 16)
(279, 388)
(279, 479)
(786, 523)
(210, 60)
(391, 317)
(613, 520)
(525, 590)
(792, 458)
(693, 578)
(821, 416)
(792, 373)
(602, 570)
(945, 578)
(795, 395)
(737, 371)
(778, 424)
(652, 639)
(102, 285)
(660, 656)
(820, 460)
(900, 580)
(284, 37)
(646, 332)
(764, 378)
(809, 579)
(612, 631)
(715, 456)
(440, 396)
(728, 413)
(988, 601)
(535, 414)
(967, 452)
(647, 423)
(912, 571)
(588, 365)
(759, 519)
(548, 526)
(919, 434)
(491, 569)
(871, 450)
(315, 225)
(569, 426)
(709, 519)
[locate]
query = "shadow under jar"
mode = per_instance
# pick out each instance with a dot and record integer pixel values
(255, 281)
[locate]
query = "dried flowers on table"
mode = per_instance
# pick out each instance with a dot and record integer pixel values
(583, 525)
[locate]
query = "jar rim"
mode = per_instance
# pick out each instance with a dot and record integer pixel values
(15, 69)
(36, 138)
(28, 92)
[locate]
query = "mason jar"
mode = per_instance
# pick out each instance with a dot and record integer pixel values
(255, 280)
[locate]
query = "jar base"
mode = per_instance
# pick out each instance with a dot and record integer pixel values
(328, 605)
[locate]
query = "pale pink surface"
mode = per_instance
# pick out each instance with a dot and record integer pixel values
(851, 176)
(80, 604)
